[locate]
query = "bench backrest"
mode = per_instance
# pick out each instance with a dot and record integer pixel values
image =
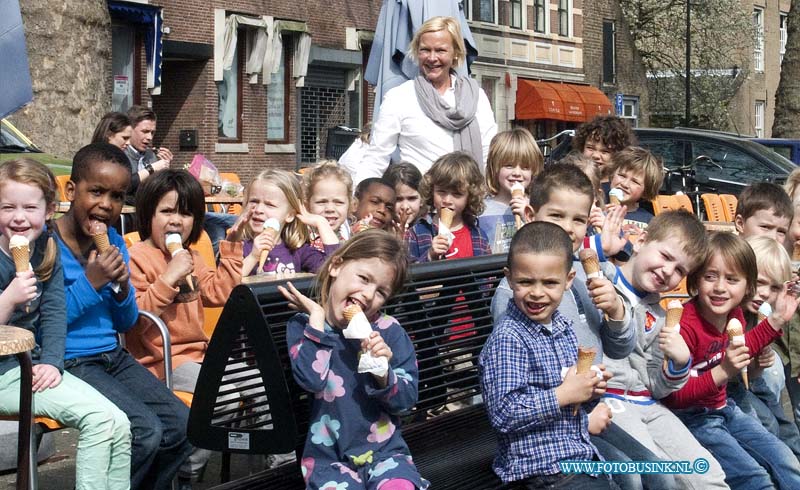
(445, 308)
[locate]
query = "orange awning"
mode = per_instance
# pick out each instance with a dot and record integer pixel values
(559, 101)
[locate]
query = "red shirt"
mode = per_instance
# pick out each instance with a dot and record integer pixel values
(707, 347)
(462, 244)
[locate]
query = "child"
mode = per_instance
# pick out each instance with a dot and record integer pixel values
(530, 406)
(96, 314)
(792, 186)
(361, 408)
(763, 398)
(406, 178)
(764, 209)
(34, 299)
(276, 194)
(600, 138)
(743, 447)
(671, 247)
(374, 205)
(514, 158)
(327, 189)
(453, 182)
(637, 174)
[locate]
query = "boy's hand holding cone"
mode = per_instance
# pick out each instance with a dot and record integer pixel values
(584, 364)
(272, 228)
(21, 253)
(601, 290)
(673, 320)
(99, 233)
(174, 245)
(736, 337)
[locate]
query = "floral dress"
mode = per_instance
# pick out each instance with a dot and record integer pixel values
(354, 439)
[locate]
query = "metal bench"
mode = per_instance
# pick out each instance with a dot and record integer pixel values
(445, 310)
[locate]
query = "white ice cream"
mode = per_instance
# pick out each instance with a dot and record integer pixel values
(18, 241)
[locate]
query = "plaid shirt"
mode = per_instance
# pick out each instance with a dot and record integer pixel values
(420, 237)
(520, 368)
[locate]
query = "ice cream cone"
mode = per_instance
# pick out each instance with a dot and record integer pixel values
(351, 311)
(446, 216)
(674, 313)
(590, 263)
(586, 357)
(21, 253)
(796, 252)
(615, 196)
(272, 227)
(764, 311)
(174, 245)
(736, 337)
(518, 190)
(100, 237)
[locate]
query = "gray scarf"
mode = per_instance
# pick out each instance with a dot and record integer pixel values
(459, 119)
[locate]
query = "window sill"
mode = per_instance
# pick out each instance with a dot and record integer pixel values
(279, 148)
(231, 148)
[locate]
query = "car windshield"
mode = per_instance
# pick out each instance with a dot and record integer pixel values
(772, 156)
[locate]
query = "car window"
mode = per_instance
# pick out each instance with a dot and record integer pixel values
(8, 138)
(737, 166)
(670, 151)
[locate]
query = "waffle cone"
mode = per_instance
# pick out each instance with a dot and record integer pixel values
(584, 364)
(446, 216)
(22, 257)
(517, 193)
(613, 200)
(589, 261)
(101, 242)
(262, 259)
(174, 247)
(761, 317)
(351, 311)
(735, 330)
(673, 316)
(796, 252)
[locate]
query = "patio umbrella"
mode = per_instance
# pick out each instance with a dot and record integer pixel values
(15, 75)
(388, 64)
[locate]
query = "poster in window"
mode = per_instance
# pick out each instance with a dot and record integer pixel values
(276, 105)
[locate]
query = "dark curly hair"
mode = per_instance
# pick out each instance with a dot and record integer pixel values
(456, 170)
(612, 131)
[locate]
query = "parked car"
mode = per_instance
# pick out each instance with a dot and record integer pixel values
(14, 144)
(782, 146)
(722, 163)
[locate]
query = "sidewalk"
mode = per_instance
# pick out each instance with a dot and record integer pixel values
(58, 472)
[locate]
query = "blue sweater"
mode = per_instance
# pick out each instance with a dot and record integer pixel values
(45, 317)
(94, 317)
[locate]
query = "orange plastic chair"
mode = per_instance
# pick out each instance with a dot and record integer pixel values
(684, 202)
(729, 204)
(715, 211)
(61, 187)
(664, 203)
(233, 208)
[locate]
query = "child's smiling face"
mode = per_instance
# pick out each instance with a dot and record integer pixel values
(538, 282)
(99, 196)
(366, 282)
(23, 211)
(377, 200)
(720, 288)
(268, 201)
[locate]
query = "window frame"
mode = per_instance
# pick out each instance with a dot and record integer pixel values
(516, 4)
(758, 48)
(543, 6)
(613, 52)
(240, 48)
(783, 29)
(564, 18)
(759, 111)
(476, 11)
(287, 78)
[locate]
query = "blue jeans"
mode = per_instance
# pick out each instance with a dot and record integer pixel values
(747, 452)
(567, 482)
(216, 225)
(617, 445)
(760, 402)
(158, 419)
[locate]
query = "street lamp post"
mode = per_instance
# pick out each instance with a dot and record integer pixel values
(688, 88)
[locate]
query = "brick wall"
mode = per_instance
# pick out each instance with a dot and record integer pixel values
(631, 79)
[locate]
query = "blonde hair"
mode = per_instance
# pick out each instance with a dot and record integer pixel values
(30, 172)
(294, 234)
(436, 24)
(369, 244)
(325, 169)
(516, 146)
(792, 182)
(638, 159)
(456, 170)
(772, 259)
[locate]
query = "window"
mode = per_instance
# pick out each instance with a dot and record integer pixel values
(563, 17)
(483, 10)
(229, 91)
(609, 52)
(758, 118)
(277, 96)
(630, 110)
(671, 151)
(539, 16)
(784, 34)
(516, 14)
(758, 51)
(488, 85)
(123, 58)
(738, 168)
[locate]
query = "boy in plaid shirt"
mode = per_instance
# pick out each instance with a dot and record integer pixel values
(528, 374)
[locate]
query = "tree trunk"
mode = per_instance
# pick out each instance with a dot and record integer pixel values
(787, 98)
(69, 52)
